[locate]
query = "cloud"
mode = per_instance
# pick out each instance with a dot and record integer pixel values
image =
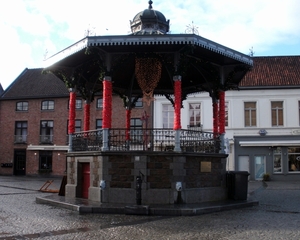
(34, 26)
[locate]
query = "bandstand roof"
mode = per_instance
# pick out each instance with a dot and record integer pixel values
(199, 61)
(146, 61)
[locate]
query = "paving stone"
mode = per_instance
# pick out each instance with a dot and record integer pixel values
(276, 217)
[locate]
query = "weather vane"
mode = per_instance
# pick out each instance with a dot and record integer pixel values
(89, 32)
(45, 54)
(192, 29)
(251, 53)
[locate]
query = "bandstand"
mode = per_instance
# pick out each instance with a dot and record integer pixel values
(150, 166)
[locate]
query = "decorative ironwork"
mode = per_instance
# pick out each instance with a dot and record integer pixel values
(192, 29)
(157, 140)
(87, 141)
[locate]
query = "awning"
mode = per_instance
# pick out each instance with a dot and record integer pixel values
(48, 148)
(286, 143)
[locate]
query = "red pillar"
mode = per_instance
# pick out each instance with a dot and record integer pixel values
(128, 116)
(107, 103)
(221, 112)
(215, 117)
(72, 114)
(177, 112)
(177, 105)
(87, 113)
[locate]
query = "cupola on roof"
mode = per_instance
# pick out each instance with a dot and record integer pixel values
(149, 22)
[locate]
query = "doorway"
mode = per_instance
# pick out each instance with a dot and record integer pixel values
(20, 162)
(85, 180)
(260, 167)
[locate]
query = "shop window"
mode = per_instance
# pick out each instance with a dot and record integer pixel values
(250, 114)
(294, 159)
(277, 113)
(45, 163)
(48, 105)
(20, 131)
(168, 116)
(260, 167)
(22, 106)
(46, 132)
(277, 160)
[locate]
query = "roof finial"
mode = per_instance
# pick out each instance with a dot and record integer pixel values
(150, 5)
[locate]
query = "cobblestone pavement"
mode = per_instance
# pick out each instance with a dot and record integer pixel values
(276, 217)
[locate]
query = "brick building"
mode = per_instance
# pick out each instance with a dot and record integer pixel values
(34, 123)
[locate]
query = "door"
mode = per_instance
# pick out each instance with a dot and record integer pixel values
(20, 162)
(243, 164)
(260, 167)
(85, 180)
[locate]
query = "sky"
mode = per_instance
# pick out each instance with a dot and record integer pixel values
(32, 30)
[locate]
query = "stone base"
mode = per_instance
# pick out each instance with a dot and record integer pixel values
(137, 210)
(201, 177)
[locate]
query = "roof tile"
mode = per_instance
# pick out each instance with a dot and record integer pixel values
(273, 71)
(31, 83)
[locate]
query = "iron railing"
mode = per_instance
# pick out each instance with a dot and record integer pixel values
(146, 140)
(46, 139)
(20, 138)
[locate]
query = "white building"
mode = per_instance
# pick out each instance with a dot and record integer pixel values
(262, 119)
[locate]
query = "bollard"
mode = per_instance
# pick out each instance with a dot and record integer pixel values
(139, 190)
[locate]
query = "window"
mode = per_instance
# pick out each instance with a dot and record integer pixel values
(46, 132)
(168, 116)
(136, 130)
(99, 103)
(98, 123)
(45, 163)
(277, 113)
(22, 106)
(139, 103)
(78, 104)
(277, 160)
(136, 123)
(226, 114)
(77, 125)
(20, 131)
(195, 114)
(294, 159)
(47, 105)
(250, 114)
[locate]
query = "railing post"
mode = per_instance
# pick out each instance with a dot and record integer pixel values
(177, 141)
(222, 143)
(70, 148)
(105, 135)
